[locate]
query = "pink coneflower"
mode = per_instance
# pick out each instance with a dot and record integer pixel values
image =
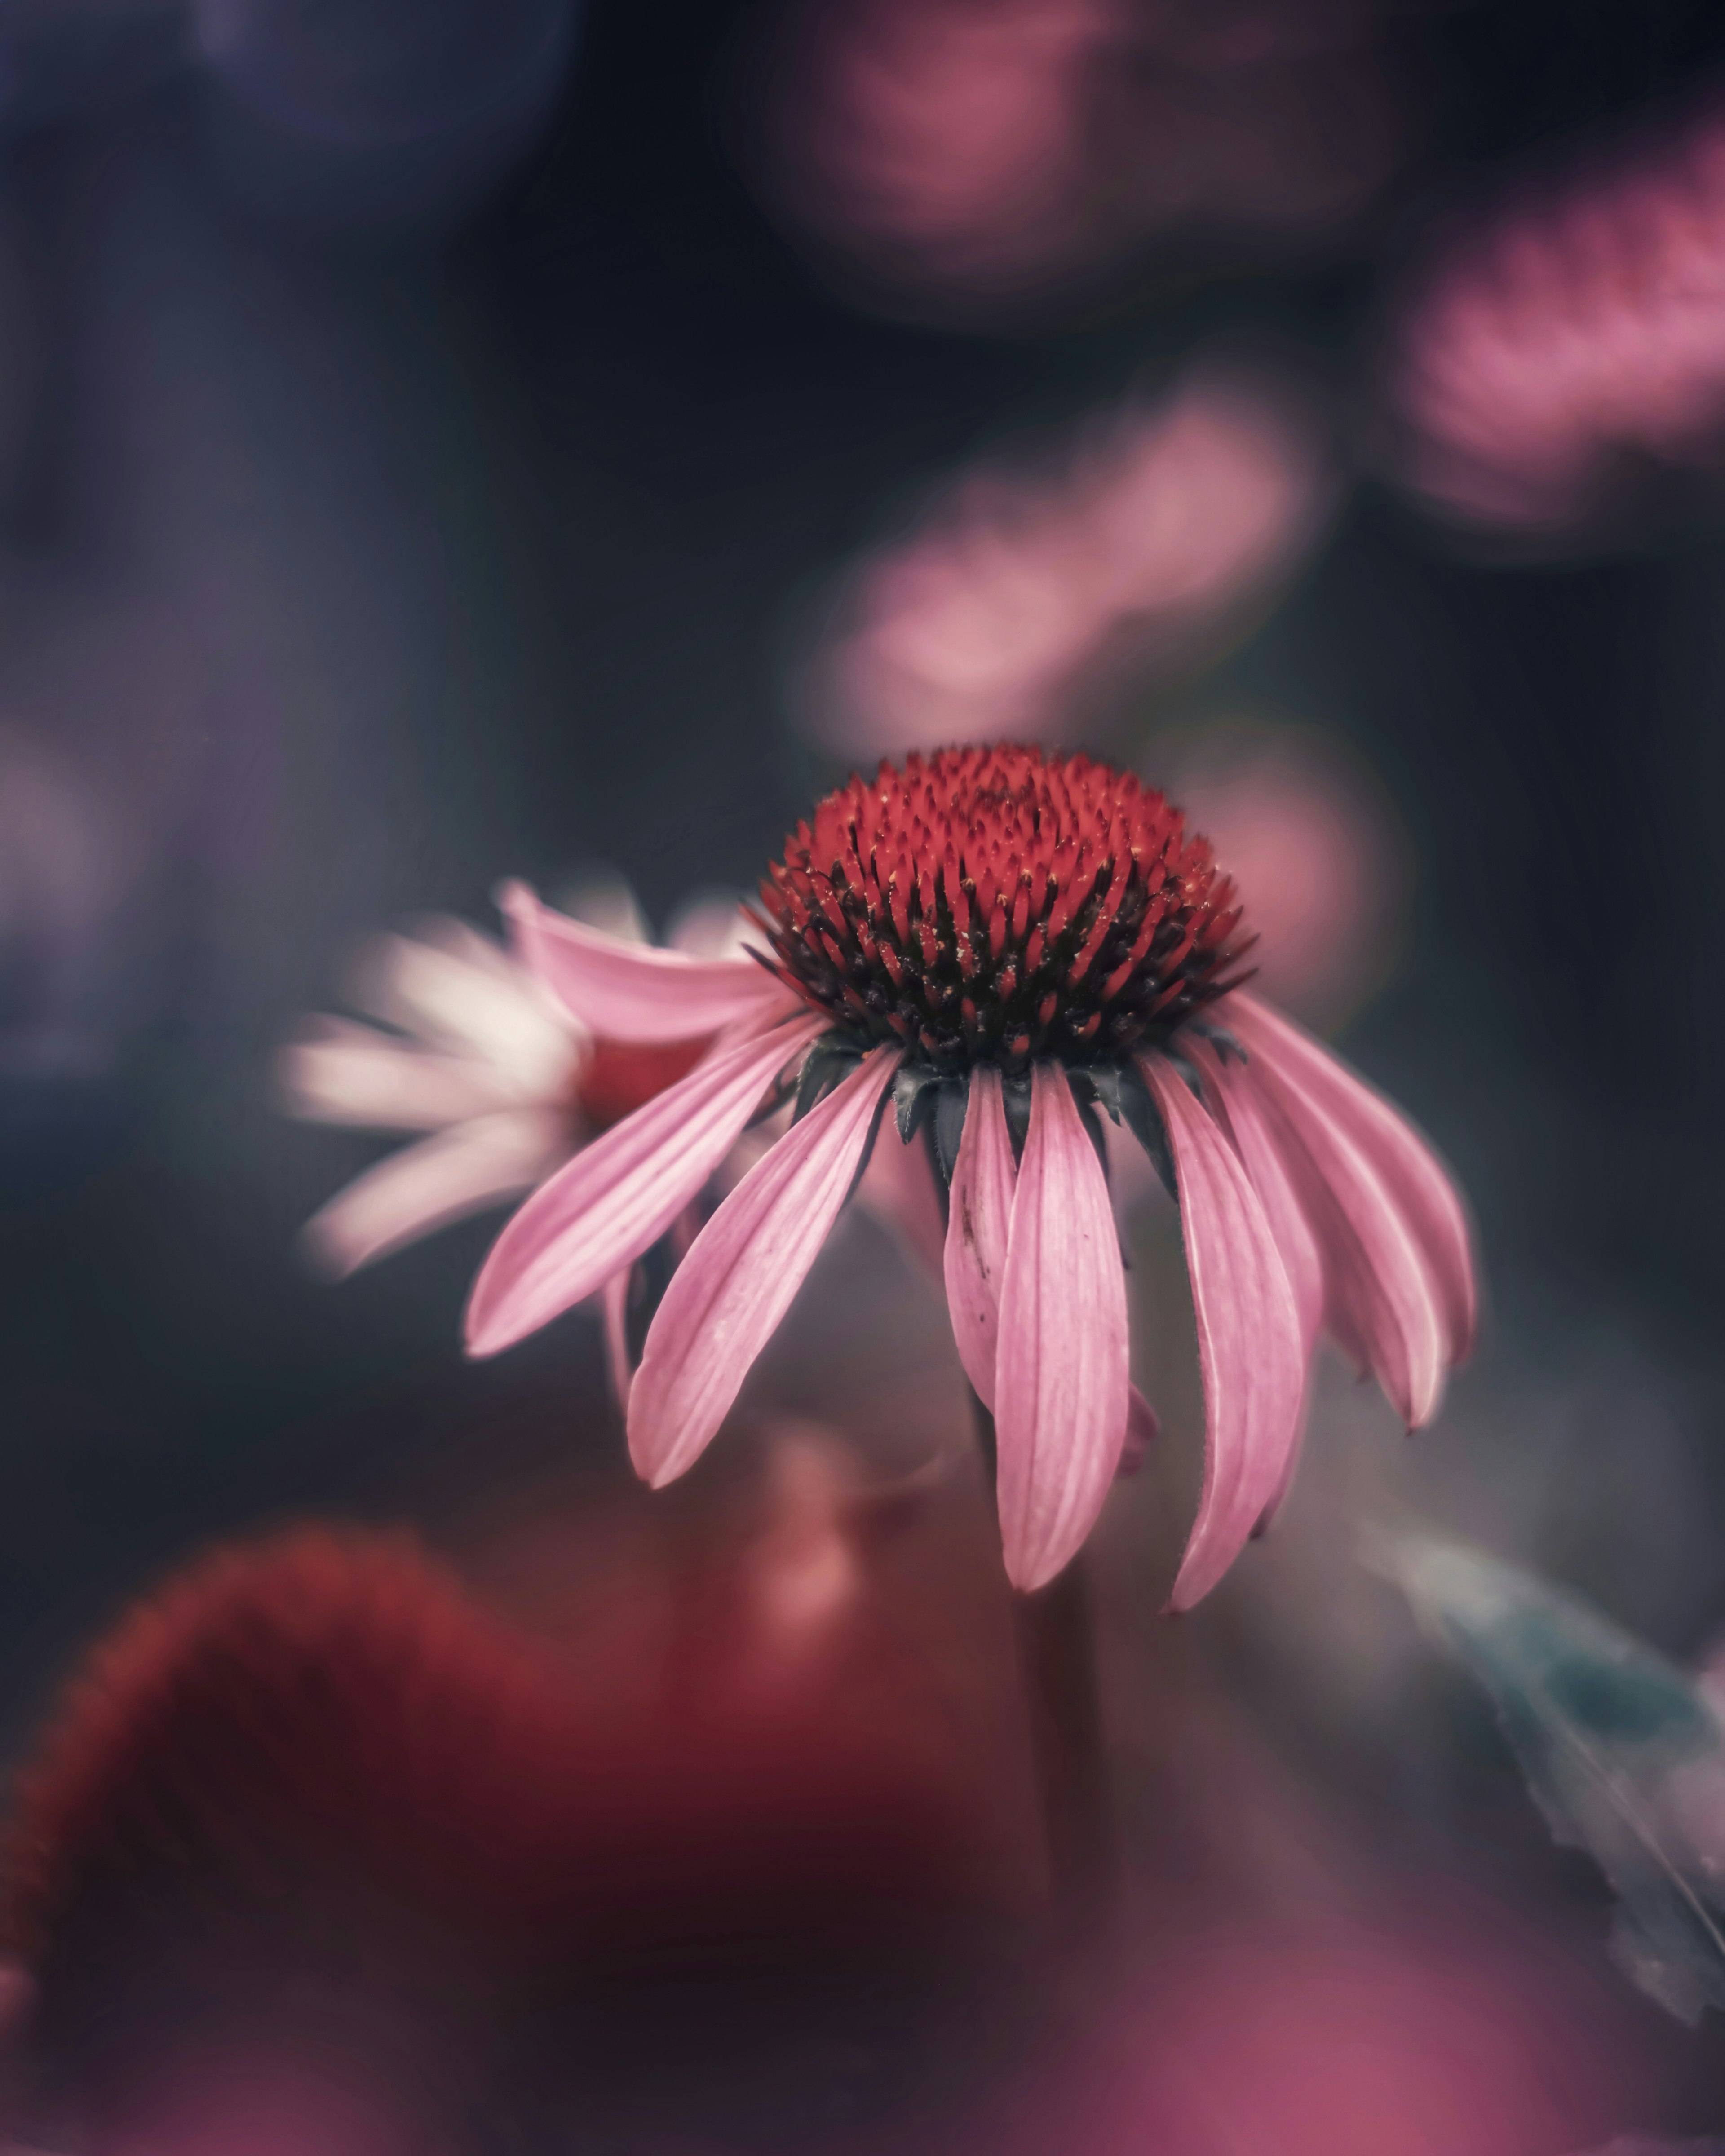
(505, 1073)
(1003, 943)
(1572, 329)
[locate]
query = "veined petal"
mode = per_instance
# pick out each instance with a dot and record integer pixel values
(1241, 1115)
(632, 991)
(1248, 1341)
(727, 1297)
(1410, 1171)
(426, 1186)
(1379, 1299)
(1061, 1360)
(621, 1194)
(978, 1224)
(338, 1072)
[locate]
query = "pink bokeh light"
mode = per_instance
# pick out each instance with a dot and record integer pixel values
(1316, 851)
(970, 156)
(1583, 323)
(1023, 596)
(1437, 2031)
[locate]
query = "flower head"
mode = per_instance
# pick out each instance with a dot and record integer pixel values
(995, 905)
(1007, 945)
(511, 1059)
(473, 1052)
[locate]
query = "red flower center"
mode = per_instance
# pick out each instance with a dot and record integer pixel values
(619, 1076)
(996, 904)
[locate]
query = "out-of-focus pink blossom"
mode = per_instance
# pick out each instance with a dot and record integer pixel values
(1022, 595)
(319, 1817)
(510, 1060)
(971, 157)
(1308, 831)
(1432, 2032)
(1583, 323)
(256, 2098)
(507, 1067)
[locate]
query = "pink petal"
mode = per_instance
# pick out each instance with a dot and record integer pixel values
(631, 991)
(1060, 1368)
(1241, 1114)
(1416, 1180)
(1248, 1341)
(616, 1199)
(1379, 1299)
(978, 1223)
(614, 1303)
(426, 1186)
(727, 1297)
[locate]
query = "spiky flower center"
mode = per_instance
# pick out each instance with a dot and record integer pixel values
(998, 905)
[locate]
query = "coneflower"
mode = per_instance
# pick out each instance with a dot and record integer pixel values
(1004, 946)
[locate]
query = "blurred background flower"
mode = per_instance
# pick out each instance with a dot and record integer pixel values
(1580, 327)
(959, 160)
(1022, 597)
(1307, 828)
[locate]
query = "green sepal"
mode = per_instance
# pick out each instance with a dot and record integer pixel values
(951, 1101)
(825, 1068)
(913, 1096)
(1144, 1119)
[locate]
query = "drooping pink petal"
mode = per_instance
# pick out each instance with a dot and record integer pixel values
(425, 1187)
(338, 1072)
(1241, 1115)
(1061, 1360)
(613, 1302)
(727, 1297)
(1379, 1299)
(631, 991)
(979, 1224)
(1416, 1180)
(898, 1188)
(616, 1199)
(1248, 1341)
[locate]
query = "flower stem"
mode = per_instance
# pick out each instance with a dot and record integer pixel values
(1055, 1637)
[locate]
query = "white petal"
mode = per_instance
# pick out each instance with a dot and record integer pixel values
(338, 1072)
(441, 1179)
(446, 996)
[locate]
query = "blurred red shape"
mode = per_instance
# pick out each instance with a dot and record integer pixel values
(315, 1801)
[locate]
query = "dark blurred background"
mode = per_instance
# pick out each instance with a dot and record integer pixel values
(445, 442)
